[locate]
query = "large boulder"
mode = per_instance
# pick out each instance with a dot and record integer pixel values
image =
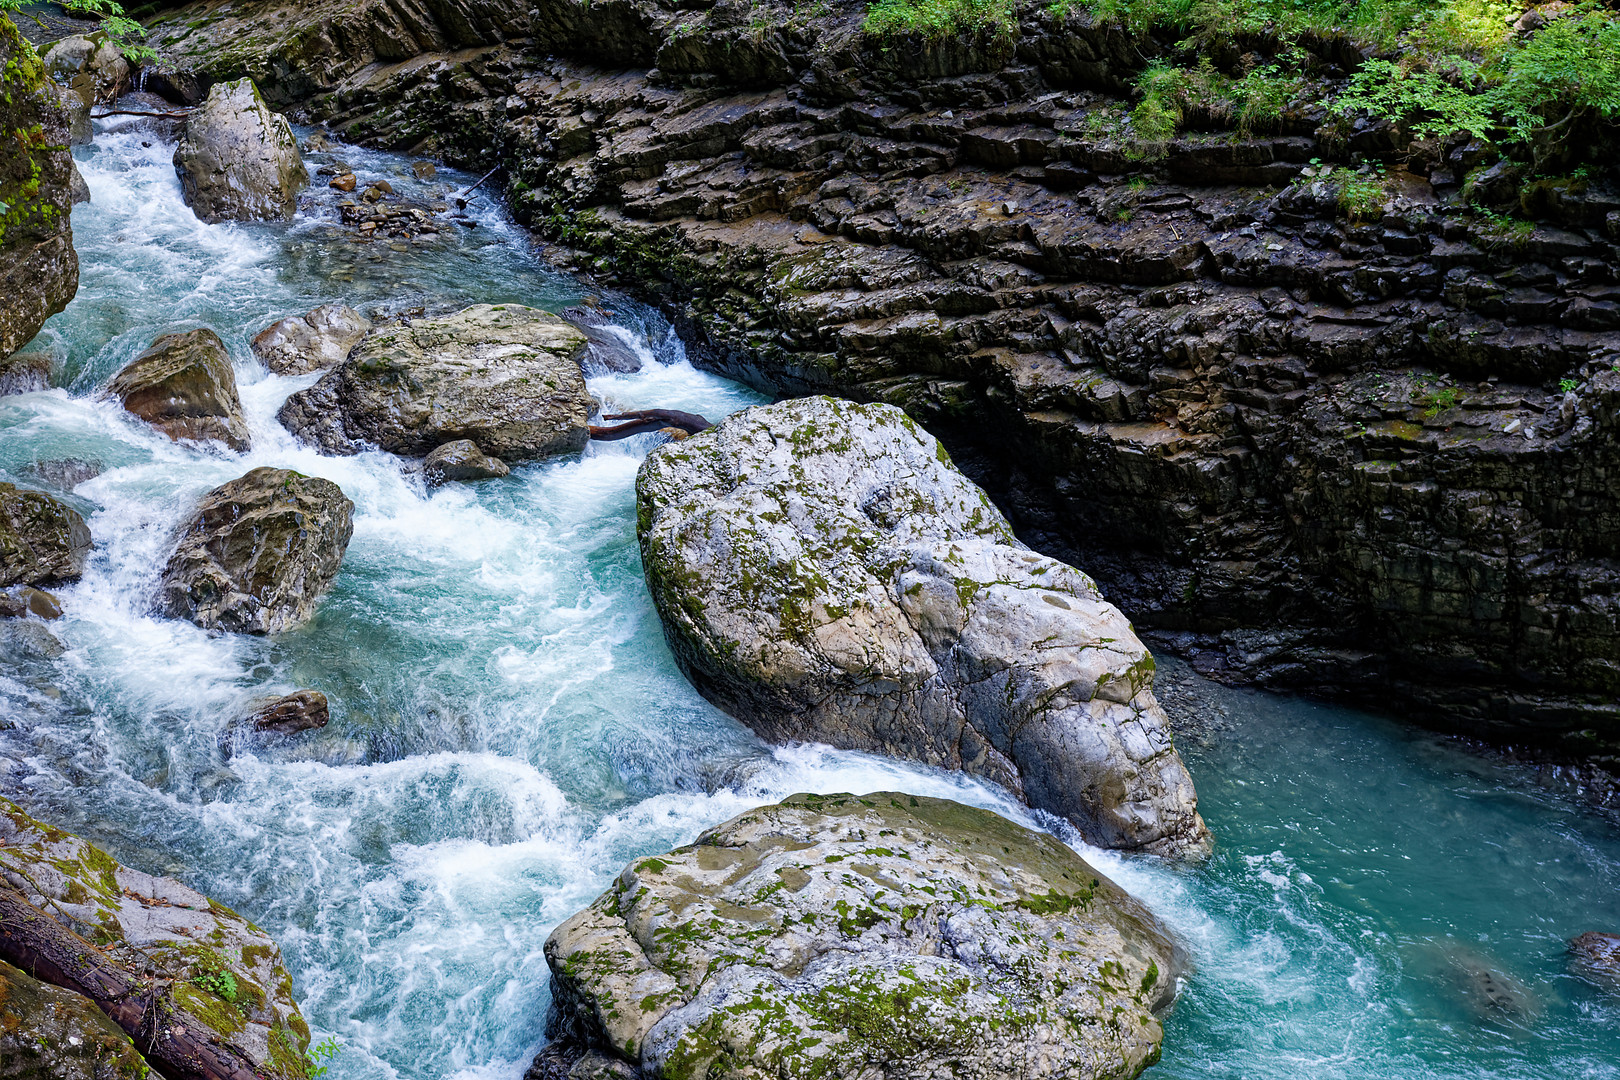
(39, 270)
(226, 986)
(41, 540)
(258, 553)
(461, 460)
(824, 572)
(94, 68)
(237, 160)
(185, 387)
(305, 343)
(876, 936)
(506, 377)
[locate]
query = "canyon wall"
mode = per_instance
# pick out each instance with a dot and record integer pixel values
(1365, 448)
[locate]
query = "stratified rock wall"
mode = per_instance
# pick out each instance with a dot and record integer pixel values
(1368, 455)
(39, 270)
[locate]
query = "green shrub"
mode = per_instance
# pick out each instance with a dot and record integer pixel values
(934, 20)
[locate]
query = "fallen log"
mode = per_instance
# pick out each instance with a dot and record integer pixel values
(179, 115)
(649, 420)
(173, 1041)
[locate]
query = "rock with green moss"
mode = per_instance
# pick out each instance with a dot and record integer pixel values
(505, 376)
(185, 387)
(825, 573)
(48, 1033)
(882, 935)
(39, 270)
(258, 553)
(237, 160)
(221, 968)
(41, 539)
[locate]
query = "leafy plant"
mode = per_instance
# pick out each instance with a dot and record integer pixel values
(934, 20)
(222, 984)
(120, 29)
(1431, 102)
(1567, 386)
(1361, 194)
(321, 1053)
(1441, 400)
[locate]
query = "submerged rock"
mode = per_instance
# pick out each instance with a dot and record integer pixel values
(290, 713)
(224, 976)
(506, 377)
(1596, 956)
(39, 270)
(258, 553)
(237, 160)
(24, 373)
(30, 601)
(310, 342)
(823, 572)
(881, 935)
(48, 1033)
(41, 539)
(185, 387)
(462, 460)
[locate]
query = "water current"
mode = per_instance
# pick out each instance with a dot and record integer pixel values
(509, 729)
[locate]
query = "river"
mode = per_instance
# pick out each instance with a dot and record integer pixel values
(509, 729)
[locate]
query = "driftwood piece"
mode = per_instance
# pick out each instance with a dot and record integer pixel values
(648, 420)
(177, 115)
(176, 1043)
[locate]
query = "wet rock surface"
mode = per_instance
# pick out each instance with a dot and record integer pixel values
(41, 539)
(24, 373)
(864, 935)
(185, 387)
(258, 553)
(47, 1033)
(299, 711)
(504, 376)
(312, 342)
(224, 976)
(824, 572)
(1596, 956)
(237, 160)
(1264, 425)
(39, 270)
(462, 460)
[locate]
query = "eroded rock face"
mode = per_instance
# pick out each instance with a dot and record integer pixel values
(185, 387)
(41, 539)
(237, 160)
(506, 377)
(39, 270)
(258, 553)
(462, 460)
(156, 927)
(306, 343)
(47, 1033)
(865, 935)
(824, 572)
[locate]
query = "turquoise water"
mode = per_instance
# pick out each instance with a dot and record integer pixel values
(508, 727)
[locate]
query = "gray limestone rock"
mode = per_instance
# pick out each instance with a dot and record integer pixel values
(306, 343)
(505, 376)
(462, 460)
(824, 572)
(881, 936)
(258, 553)
(237, 160)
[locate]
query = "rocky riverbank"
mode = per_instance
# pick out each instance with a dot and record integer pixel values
(1362, 448)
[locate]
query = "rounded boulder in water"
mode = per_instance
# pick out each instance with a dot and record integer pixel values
(41, 539)
(305, 343)
(462, 460)
(824, 572)
(505, 376)
(883, 934)
(237, 160)
(258, 553)
(185, 387)
(1595, 956)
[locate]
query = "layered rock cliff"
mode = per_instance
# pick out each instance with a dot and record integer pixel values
(1312, 428)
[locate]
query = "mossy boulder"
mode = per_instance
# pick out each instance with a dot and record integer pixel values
(237, 160)
(39, 270)
(258, 553)
(185, 387)
(48, 1033)
(41, 539)
(505, 376)
(225, 971)
(824, 572)
(883, 935)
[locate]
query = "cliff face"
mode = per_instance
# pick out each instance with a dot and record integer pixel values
(39, 270)
(1311, 429)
